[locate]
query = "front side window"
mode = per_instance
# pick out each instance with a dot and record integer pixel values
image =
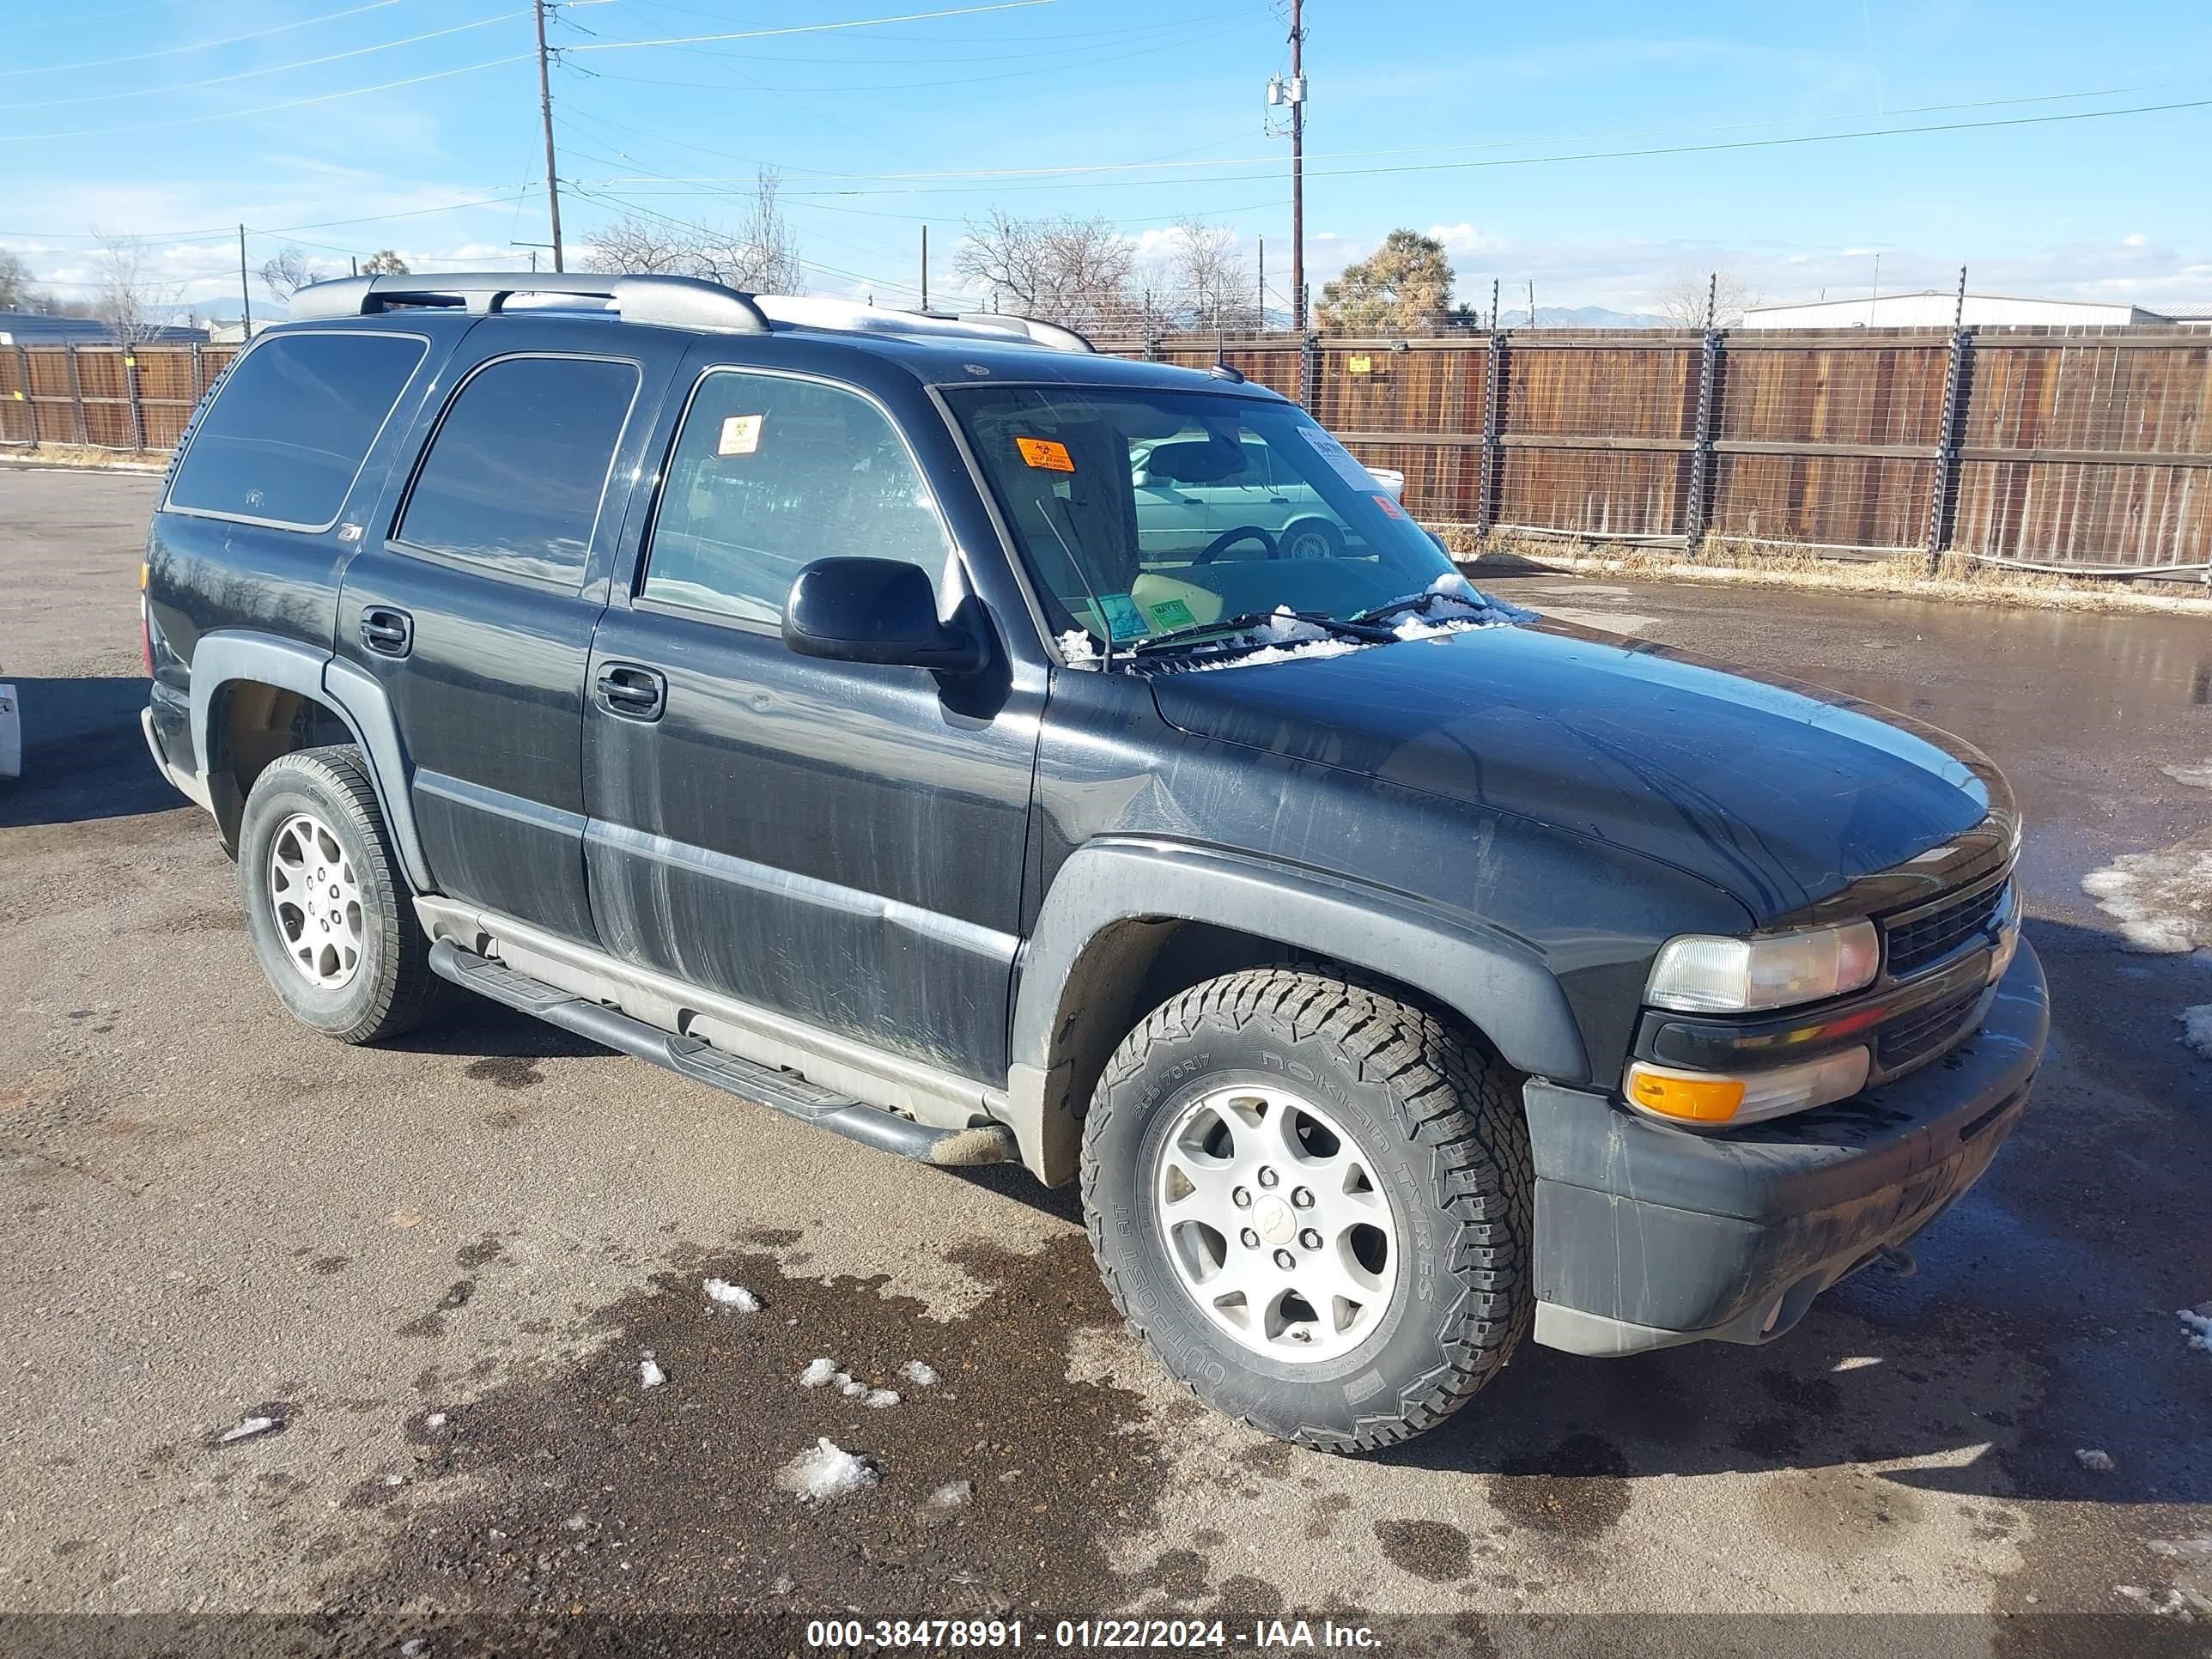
(771, 473)
(1142, 513)
(518, 467)
(288, 433)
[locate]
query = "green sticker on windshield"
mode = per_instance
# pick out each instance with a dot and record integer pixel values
(1121, 617)
(1171, 613)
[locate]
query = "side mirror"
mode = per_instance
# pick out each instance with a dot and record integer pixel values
(874, 611)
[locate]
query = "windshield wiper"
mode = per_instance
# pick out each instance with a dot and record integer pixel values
(1397, 607)
(1353, 629)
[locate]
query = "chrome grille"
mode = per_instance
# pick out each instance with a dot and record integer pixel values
(1924, 937)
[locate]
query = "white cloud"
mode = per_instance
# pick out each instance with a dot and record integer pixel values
(2136, 240)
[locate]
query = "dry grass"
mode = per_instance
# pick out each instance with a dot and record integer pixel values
(85, 455)
(1783, 564)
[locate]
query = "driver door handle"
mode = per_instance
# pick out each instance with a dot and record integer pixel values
(632, 691)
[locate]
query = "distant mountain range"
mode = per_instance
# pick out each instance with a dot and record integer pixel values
(1581, 316)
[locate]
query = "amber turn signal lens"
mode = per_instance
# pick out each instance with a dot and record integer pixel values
(1692, 1099)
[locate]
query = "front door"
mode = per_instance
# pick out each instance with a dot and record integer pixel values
(842, 843)
(473, 601)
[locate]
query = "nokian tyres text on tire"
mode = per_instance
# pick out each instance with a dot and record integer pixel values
(327, 910)
(1314, 1202)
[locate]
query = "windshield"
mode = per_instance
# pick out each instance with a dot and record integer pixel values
(1143, 513)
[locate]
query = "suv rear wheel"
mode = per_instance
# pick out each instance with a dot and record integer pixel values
(1314, 1202)
(326, 906)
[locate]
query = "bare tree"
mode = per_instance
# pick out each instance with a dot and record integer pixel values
(1681, 303)
(385, 262)
(131, 296)
(1215, 290)
(17, 292)
(757, 254)
(1068, 271)
(286, 273)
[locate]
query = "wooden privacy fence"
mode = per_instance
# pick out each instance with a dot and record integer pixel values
(135, 397)
(2080, 449)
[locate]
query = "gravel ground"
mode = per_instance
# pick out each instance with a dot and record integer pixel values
(440, 1265)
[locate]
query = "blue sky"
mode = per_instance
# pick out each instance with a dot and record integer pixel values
(1450, 119)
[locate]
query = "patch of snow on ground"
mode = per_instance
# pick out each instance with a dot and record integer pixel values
(724, 1294)
(953, 1495)
(918, 1374)
(850, 1388)
(247, 1428)
(2197, 1028)
(879, 1399)
(649, 1375)
(2200, 1328)
(2162, 901)
(825, 1472)
(2199, 776)
(819, 1373)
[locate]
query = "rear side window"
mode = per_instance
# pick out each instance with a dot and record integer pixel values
(286, 438)
(518, 465)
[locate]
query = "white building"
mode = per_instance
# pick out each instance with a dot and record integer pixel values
(1934, 307)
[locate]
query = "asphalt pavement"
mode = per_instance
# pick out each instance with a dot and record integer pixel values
(438, 1267)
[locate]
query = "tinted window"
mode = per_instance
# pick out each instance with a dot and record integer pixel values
(770, 474)
(292, 426)
(519, 464)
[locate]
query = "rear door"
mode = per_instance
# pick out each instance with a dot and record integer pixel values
(842, 843)
(473, 598)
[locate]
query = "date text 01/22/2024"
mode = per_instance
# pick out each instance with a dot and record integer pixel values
(1085, 1634)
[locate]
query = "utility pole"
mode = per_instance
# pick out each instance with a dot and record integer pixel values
(925, 267)
(545, 105)
(245, 294)
(1298, 168)
(1532, 302)
(1263, 285)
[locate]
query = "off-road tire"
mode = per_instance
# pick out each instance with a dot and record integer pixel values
(1440, 1120)
(393, 990)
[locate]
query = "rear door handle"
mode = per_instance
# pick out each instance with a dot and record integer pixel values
(387, 631)
(632, 691)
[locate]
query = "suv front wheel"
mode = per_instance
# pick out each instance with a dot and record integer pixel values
(326, 906)
(1314, 1202)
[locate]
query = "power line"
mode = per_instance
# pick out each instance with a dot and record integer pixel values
(176, 239)
(811, 29)
(274, 69)
(204, 46)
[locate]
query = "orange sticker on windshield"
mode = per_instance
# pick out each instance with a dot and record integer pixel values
(1045, 455)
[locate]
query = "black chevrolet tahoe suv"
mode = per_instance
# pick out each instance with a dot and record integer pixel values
(991, 751)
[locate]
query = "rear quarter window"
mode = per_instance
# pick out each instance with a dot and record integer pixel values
(296, 417)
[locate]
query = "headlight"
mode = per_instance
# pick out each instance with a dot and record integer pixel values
(1695, 975)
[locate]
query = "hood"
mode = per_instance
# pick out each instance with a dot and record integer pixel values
(1776, 792)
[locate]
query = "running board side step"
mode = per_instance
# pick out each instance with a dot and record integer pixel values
(793, 1095)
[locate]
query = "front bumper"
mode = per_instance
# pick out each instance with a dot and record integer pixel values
(1648, 1237)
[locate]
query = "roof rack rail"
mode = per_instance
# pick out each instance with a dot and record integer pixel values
(1040, 333)
(679, 301)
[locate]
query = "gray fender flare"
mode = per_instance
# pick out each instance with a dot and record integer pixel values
(222, 658)
(1495, 982)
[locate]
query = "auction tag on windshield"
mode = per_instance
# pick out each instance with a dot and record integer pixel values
(1046, 454)
(740, 434)
(1171, 613)
(1121, 617)
(1341, 460)
(1390, 508)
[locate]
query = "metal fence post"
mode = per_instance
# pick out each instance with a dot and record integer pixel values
(1701, 443)
(1955, 377)
(77, 392)
(30, 408)
(1485, 501)
(137, 408)
(1309, 371)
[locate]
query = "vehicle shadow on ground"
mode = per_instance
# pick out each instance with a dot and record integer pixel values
(84, 754)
